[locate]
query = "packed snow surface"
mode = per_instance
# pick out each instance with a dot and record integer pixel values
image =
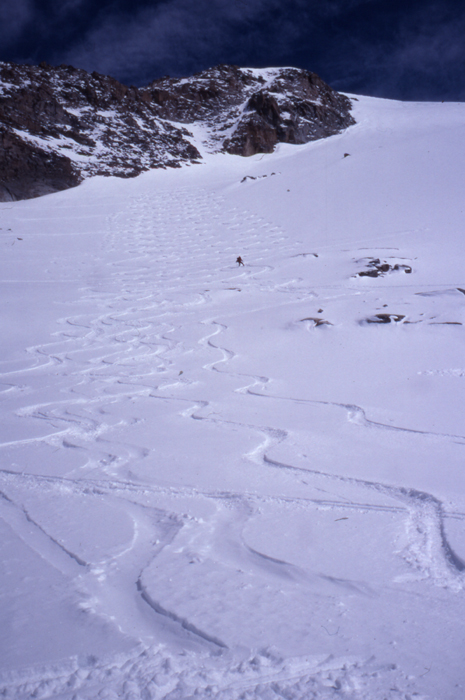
(240, 482)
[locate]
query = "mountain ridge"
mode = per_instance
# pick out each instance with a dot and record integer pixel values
(60, 125)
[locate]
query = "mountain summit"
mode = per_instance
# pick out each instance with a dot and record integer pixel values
(61, 125)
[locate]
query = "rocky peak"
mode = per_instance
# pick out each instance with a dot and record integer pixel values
(59, 125)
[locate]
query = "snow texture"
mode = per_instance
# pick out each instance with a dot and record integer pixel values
(240, 482)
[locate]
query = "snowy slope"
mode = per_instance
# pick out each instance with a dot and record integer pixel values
(223, 482)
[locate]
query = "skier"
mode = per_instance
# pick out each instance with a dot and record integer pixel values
(239, 261)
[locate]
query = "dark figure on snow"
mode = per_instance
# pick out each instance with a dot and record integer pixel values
(239, 261)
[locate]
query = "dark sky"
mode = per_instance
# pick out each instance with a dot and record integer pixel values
(402, 49)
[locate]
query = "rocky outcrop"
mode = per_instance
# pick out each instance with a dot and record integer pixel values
(248, 111)
(61, 125)
(27, 171)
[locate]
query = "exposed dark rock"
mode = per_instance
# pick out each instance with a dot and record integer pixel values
(259, 107)
(300, 108)
(305, 255)
(26, 171)
(385, 318)
(60, 125)
(379, 269)
(255, 177)
(317, 321)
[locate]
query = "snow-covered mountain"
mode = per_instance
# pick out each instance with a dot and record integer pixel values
(240, 483)
(61, 125)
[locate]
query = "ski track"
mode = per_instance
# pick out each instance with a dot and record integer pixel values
(128, 350)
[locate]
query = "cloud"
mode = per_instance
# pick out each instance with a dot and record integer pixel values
(418, 53)
(431, 44)
(177, 35)
(381, 47)
(389, 48)
(14, 19)
(31, 30)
